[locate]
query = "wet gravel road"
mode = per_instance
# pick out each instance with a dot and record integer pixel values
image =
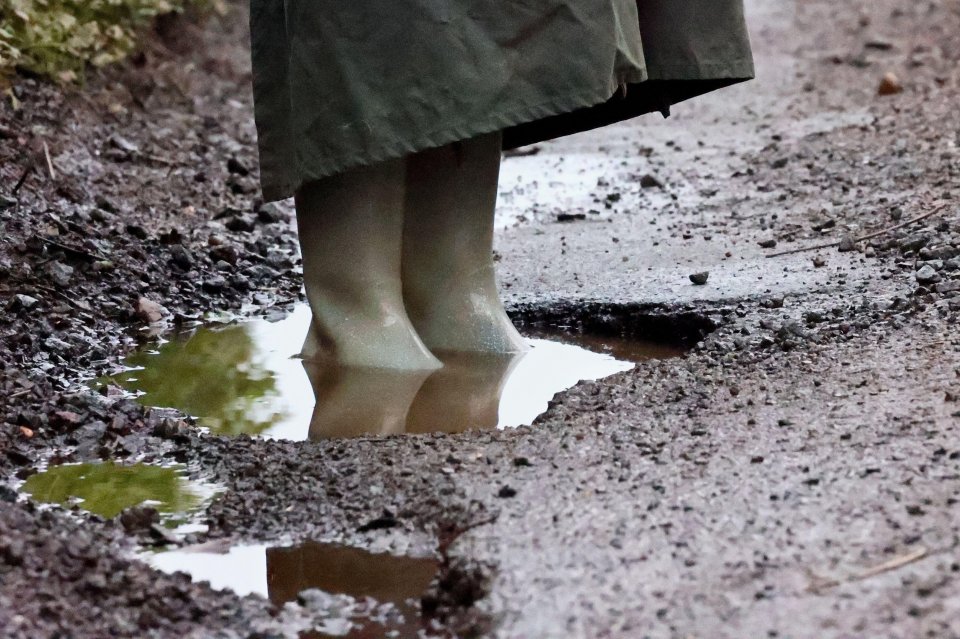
(797, 474)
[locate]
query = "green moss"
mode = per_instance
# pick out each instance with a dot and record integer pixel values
(59, 38)
(107, 489)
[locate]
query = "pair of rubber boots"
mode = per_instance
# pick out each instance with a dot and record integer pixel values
(398, 260)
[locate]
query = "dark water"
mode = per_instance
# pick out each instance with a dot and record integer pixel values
(246, 378)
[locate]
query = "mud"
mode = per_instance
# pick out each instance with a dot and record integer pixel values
(795, 475)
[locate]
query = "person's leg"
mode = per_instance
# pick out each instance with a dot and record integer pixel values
(351, 229)
(449, 285)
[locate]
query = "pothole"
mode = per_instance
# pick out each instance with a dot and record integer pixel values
(245, 378)
(108, 489)
(353, 592)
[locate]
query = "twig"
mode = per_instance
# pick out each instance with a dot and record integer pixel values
(23, 178)
(887, 566)
(863, 238)
(74, 250)
(46, 154)
(893, 564)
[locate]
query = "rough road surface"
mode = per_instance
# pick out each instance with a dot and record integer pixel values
(796, 475)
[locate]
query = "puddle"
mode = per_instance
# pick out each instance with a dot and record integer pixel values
(106, 489)
(361, 594)
(245, 378)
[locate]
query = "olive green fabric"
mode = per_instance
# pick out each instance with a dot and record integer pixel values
(344, 84)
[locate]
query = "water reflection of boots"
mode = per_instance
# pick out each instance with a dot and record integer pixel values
(463, 395)
(359, 401)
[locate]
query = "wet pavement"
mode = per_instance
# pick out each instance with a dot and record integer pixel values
(796, 474)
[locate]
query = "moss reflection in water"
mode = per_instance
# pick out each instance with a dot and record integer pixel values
(107, 489)
(212, 375)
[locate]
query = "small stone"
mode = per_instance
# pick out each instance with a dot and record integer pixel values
(570, 217)
(768, 244)
(269, 214)
(138, 518)
(22, 302)
(123, 144)
(889, 85)
(239, 225)
(927, 275)
(214, 284)
(236, 167)
(60, 273)
(137, 231)
(180, 257)
(506, 492)
(649, 181)
(700, 278)
(819, 262)
(847, 245)
(149, 311)
(225, 253)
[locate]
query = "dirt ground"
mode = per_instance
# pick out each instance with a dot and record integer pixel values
(796, 475)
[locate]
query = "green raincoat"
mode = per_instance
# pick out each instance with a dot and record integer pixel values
(339, 85)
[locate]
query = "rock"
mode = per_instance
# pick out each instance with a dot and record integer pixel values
(60, 273)
(889, 85)
(700, 278)
(927, 275)
(779, 163)
(236, 167)
(570, 217)
(137, 231)
(123, 144)
(269, 214)
(214, 284)
(173, 236)
(768, 244)
(139, 518)
(506, 492)
(150, 311)
(225, 253)
(914, 242)
(649, 181)
(239, 225)
(180, 257)
(819, 262)
(847, 245)
(22, 302)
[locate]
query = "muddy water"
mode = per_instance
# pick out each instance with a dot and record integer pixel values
(367, 594)
(246, 378)
(106, 489)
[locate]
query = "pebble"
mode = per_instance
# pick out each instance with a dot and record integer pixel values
(768, 244)
(927, 275)
(239, 225)
(700, 278)
(60, 273)
(180, 257)
(847, 245)
(649, 181)
(24, 302)
(149, 311)
(889, 85)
